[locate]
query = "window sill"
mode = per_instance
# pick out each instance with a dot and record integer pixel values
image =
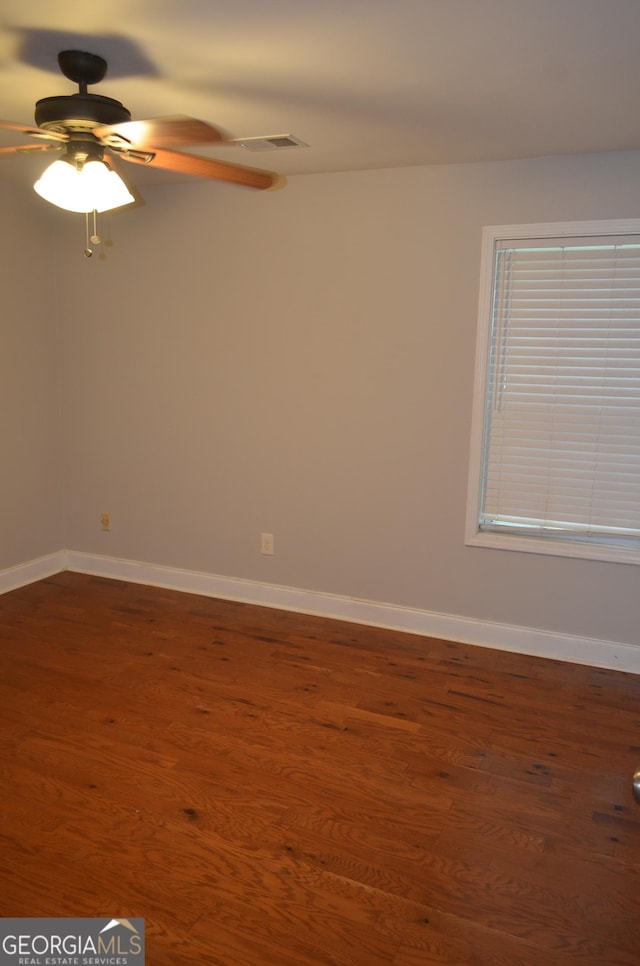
(554, 547)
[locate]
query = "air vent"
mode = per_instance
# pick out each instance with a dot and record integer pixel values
(275, 142)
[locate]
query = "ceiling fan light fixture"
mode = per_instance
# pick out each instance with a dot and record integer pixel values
(92, 186)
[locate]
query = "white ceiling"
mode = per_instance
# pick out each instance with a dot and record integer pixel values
(366, 83)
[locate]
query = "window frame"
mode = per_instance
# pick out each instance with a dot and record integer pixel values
(595, 549)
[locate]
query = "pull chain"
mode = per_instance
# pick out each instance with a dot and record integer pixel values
(95, 238)
(87, 251)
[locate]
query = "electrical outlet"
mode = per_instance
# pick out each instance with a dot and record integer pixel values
(266, 543)
(105, 521)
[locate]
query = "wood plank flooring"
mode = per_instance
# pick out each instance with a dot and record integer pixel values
(272, 789)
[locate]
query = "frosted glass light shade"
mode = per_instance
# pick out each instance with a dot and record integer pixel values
(94, 187)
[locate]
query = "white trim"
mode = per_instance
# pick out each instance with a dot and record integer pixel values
(474, 485)
(563, 548)
(502, 637)
(550, 229)
(28, 573)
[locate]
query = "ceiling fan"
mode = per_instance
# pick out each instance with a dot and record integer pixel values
(92, 131)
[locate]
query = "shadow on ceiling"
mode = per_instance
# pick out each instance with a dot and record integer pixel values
(40, 49)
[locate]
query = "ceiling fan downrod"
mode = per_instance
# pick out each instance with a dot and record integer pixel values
(82, 68)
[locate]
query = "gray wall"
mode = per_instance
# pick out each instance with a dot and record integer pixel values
(302, 363)
(31, 460)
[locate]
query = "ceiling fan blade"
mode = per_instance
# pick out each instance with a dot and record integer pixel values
(29, 148)
(211, 168)
(167, 132)
(34, 132)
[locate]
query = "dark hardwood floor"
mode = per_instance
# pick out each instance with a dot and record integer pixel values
(272, 789)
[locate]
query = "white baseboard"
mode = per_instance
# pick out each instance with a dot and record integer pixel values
(28, 573)
(503, 637)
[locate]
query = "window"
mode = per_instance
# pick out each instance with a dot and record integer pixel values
(555, 459)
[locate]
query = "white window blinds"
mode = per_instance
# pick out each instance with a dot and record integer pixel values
(561, 454)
